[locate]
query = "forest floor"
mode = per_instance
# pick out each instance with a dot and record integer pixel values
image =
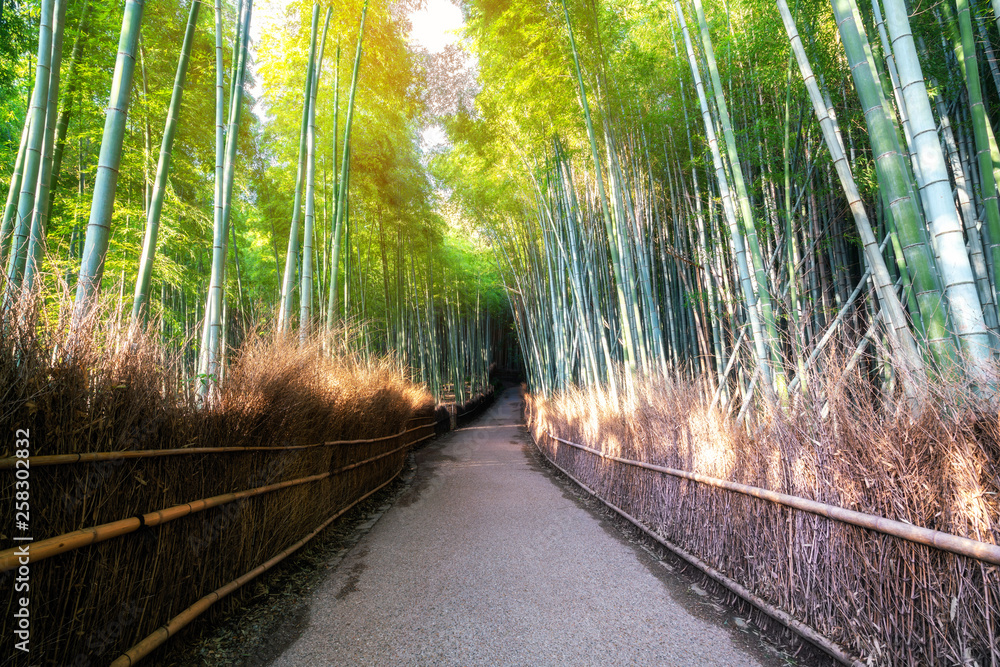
(486, 558)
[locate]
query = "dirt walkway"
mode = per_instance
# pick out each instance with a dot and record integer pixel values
(485, 560)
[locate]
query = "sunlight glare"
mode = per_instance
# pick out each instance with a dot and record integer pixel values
(436, 25)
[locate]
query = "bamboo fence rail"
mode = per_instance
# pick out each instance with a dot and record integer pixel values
(59, 544)
(10, 462)
(963, 546)
(830, 647)
(178, 622)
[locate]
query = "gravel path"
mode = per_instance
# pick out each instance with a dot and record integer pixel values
(485, 560)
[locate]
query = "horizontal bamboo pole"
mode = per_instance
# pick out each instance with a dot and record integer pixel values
(54, 546)
(91, 457)
(80, 538)
(164, 632)
(962, 546)
(432, 418)
(380, 456)
(813, 636)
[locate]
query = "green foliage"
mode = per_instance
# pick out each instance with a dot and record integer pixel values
(18, 33)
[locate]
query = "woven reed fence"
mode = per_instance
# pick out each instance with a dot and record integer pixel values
(139, 536)
(861, 595)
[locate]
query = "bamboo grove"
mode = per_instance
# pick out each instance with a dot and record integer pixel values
(741, 192)
(289, 191)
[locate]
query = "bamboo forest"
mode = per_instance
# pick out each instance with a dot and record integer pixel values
(500, 332)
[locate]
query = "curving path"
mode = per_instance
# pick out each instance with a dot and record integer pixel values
(486, 560)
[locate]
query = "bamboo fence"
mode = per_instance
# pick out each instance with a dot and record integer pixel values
(863, 588)
(159, 563)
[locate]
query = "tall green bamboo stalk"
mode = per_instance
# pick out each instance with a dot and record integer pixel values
(904, 343)
(896, 186)
(953, 259)
(292, 255)
(616, 259)
(976, 253)
(33, 155)
(141, 298)
(210, 356)
(106, 177)
(40, 216)
(760, 346)
(306, 286)
(72, 84)
(13, 193)
(969, 62)
(774, 373)
(340, 205)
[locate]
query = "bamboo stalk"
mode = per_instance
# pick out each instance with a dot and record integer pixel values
(969, 63)
(948, 238)
(10, 209)
(904, 342)
(40, 214)
(291, 256)
(306, 283)
(106, 178)
(760, 345)
(340, 205)
(895, 185)
(209, 362)
(616, 259)
(72, 84)
(141, 297)
(774, 377)
(33, 155)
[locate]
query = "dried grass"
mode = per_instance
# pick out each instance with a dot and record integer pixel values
(884, 599)
(107, 391)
